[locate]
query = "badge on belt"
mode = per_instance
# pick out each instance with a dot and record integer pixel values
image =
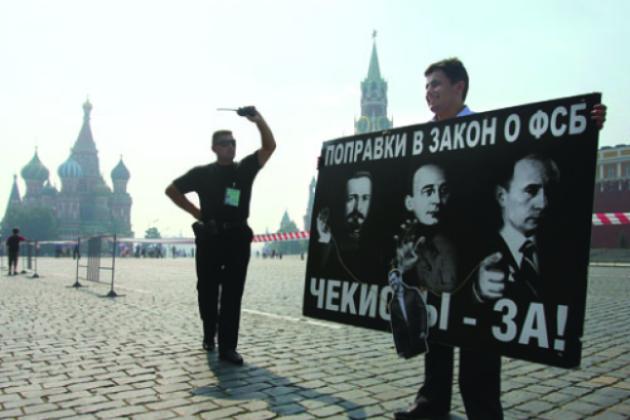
(232, 197)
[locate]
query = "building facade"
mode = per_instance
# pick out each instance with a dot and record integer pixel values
(85, 204)
(612, 194)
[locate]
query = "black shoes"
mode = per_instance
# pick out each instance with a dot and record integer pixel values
(421, 408)
(231, 356)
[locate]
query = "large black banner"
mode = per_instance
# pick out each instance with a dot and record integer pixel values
(472, 232)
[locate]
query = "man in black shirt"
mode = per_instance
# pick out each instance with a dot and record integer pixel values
(222, 235)
(13, 249)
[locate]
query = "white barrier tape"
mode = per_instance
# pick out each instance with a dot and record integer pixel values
(606, 219)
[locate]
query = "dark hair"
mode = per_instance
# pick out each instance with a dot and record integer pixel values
(454, 70)
(359, 174)
(506, 173)
(218, 134)
(16, 231)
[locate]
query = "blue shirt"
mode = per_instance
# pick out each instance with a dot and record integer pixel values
(465, 111)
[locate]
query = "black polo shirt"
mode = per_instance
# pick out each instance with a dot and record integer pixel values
(224, 190)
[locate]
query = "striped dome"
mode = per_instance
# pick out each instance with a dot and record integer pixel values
(35, 170)
(70, 169)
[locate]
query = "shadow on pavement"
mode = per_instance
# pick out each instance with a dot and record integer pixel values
(282, 397)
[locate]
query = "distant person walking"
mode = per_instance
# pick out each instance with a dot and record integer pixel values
(222, 235)
(13, 249)
(76, 252)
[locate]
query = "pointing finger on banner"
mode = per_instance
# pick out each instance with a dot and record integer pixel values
(491, 278)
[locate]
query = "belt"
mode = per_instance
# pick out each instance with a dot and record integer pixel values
(227, 225)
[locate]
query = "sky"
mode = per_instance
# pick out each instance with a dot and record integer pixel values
(155, 72)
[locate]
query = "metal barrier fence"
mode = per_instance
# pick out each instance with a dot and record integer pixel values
(94, 247)
(25, 256)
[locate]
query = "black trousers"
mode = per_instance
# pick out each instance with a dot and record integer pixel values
(221, 262)
(479, 381)
(13, 258)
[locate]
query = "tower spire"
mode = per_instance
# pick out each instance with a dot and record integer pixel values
(374, 71)
(15, 192)
(373, 98)
(84, 150)
(14, 199)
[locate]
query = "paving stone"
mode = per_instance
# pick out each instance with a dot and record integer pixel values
(518, 397)
(57, 414)
(259, 415)
(561, 414)
(326, 411)
(535, 407)
(120, 412)
(623, 385)
(610, 416)
(221, 413)
(582, 407)
(95, 408)
(22, 402)
(193, 409)
(155, 415)
(557, 398)
(170, 403)
(9, 397)
(288, 409)
(126, 395)
(82, 401)
(5, 414)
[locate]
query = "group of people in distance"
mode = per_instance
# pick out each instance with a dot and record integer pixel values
(424, 253)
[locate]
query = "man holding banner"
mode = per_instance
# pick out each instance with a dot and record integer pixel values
(479, 370)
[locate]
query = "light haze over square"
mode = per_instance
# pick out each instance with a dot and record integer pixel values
(156, 71)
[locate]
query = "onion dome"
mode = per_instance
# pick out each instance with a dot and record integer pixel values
(120, 171)
(70, 169)
(35, 170)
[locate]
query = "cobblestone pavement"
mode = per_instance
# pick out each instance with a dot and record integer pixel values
(67, 352)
